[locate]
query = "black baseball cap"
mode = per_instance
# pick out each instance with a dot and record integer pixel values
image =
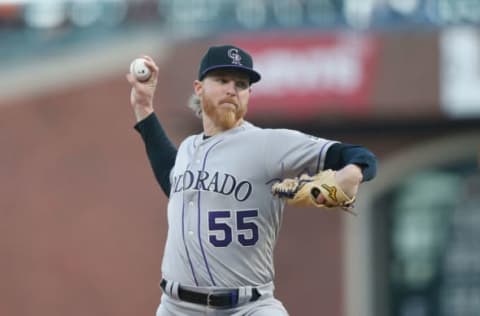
(228, 57)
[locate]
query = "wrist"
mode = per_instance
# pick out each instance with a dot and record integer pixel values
(355, 172)
(142, 112)
(349, 178)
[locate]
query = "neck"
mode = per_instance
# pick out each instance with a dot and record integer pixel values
(210, 128)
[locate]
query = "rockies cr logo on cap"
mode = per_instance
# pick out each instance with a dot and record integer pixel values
(233, 54)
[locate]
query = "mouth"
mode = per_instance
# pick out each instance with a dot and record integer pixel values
(229, 104)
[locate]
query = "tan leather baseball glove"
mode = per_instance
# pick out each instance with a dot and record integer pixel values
(304, 190)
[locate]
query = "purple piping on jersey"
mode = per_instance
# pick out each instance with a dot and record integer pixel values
(320, 156)
(183, 235)
(199, 212)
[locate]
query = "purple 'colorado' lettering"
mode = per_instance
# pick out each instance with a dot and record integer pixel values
(176, 182)
(191, 177)
(225, 184)
(238, 190)
(232, 187)
(213, 183)
(202, 176)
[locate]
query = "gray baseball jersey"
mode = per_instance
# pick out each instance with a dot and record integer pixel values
(223, 220)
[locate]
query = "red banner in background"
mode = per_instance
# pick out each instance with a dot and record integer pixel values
(300, 74)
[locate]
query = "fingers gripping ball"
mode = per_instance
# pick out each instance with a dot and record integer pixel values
(140, 70)
(304, 190)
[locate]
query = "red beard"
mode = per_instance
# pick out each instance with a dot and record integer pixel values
(223, 116)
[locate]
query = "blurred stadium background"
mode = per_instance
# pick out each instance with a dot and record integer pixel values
(82, 221)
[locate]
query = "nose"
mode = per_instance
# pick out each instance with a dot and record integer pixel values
(231, 88)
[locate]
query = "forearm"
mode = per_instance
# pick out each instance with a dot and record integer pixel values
(142, 113)
(160, 150)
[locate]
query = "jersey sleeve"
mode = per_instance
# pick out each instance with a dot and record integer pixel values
(289, 153)
(340, 155)
(160, 150)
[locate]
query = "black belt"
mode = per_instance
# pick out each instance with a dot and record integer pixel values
(229, 298)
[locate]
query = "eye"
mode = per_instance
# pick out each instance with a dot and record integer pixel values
(242, 84)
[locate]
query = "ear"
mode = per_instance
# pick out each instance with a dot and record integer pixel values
(198, 87)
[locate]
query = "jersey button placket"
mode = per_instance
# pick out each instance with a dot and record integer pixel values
(197, 157)
(191, 204)
(191, 209)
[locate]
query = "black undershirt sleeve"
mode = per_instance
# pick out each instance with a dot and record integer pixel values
(339, 155)
(160, 150)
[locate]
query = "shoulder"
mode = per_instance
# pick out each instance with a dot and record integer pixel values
(279, 135)
(247, 129)
(285, 133)
(251, 128)
(191, 140)
(288, 138)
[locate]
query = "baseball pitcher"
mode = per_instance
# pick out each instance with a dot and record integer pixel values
(228, 186)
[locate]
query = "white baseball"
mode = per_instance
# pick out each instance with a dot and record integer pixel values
(140, 70)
